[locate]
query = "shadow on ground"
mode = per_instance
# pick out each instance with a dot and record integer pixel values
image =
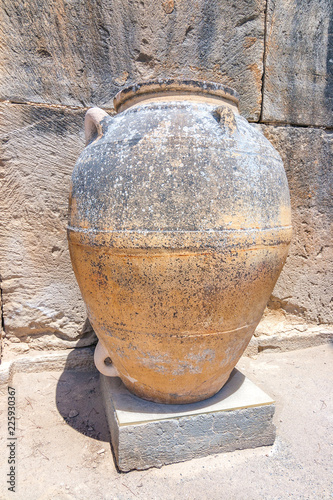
(79, 400)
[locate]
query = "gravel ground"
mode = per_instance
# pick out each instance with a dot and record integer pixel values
(62, 449)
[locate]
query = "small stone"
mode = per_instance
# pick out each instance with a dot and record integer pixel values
(73, 413)
(101, 451)
(168, 6)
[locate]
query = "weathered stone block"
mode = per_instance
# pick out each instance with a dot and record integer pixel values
(298, 81)
(41, 300)
(82, 53)
(146, 434)
(305, 284)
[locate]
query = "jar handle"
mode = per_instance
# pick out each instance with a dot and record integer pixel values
(100, 356)
(93, 128)
(226, 118)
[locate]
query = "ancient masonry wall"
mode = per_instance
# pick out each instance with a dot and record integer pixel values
(59, 58)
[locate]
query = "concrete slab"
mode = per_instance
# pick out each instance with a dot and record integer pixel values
(146, 434)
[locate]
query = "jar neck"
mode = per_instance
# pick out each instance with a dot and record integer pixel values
(176, 90)
(176, 97)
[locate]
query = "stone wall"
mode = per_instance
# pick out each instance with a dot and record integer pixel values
(58, 58)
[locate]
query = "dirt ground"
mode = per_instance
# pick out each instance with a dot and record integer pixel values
(62, 450)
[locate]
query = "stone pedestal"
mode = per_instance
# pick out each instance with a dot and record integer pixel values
(146, 434)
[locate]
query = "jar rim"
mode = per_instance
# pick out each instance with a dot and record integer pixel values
(171, 85)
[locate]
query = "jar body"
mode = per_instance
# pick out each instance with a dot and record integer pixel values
(179, 228)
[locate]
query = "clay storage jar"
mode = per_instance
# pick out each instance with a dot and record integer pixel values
(179, 227)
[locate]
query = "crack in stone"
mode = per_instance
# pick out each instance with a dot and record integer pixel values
(112, 112)
(2, 318)
(264, 64)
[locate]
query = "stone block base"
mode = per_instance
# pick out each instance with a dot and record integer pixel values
(146, 434)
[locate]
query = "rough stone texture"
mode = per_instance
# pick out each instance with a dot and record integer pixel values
(146, 434)
(283, 331)
(305, 285)
(35, 361)
(83, 52)
(41, 300)
(142, 447)
(1, 320)
(298, 81)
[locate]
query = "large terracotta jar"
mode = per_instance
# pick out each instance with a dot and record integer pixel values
(179, 227)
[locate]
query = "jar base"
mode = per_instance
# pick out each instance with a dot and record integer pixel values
(154, 396)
